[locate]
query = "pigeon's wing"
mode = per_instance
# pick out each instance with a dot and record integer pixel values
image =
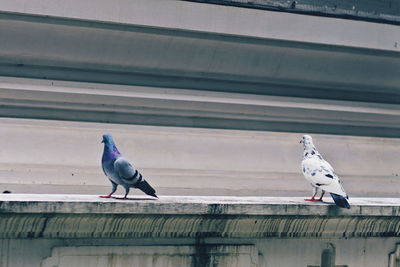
(126, 170)
(321, 174)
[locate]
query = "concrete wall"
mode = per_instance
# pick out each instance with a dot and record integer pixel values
(205, 100)
(65, 230)
(364, 252)
(333, 79)
(64, 157)
(200, 46)
(192, 16)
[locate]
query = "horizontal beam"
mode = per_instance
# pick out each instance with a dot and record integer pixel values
(81, 50)
(28, 98)
(61, 216)
(195, 205)
(216, 19)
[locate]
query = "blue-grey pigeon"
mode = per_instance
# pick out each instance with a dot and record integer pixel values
(120, 171)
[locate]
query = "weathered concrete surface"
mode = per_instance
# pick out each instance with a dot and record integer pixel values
(276, 252)
(198, 46)
(72, 230)
(95, 102)
(154, 256)
(86, 51)
(194, 205)
(67, 216)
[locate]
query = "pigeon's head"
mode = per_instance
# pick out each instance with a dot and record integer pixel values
(108, 140)
(306, 141)
(110, 149)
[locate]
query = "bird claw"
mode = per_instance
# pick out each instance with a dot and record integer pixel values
(108, 196)
(313, 199)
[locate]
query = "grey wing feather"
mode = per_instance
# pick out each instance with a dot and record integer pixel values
(125, 169)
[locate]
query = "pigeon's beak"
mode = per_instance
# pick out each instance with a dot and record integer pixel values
(301, 141)
(102, 141)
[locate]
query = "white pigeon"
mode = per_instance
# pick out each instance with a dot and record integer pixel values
(321, 175)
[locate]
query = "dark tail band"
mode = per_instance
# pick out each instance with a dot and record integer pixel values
(146, 188)
(340, 201)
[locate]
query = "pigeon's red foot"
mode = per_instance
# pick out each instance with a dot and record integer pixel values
(312, 199)
(108, 196)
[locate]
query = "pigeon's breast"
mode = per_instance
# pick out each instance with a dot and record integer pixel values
(309, 169)
(111, 173)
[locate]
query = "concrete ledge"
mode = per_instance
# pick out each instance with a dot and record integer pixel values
(32, 98)
(165, 55)
(194, 205)
(82, 216)
(231, 20)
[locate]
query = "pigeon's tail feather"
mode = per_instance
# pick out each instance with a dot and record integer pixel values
(340, 201)
(146, 188)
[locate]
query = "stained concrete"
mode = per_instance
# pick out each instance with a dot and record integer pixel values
(357, 252)
(76, 216)
(255, 232)
(194, 205)
(181, 45)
